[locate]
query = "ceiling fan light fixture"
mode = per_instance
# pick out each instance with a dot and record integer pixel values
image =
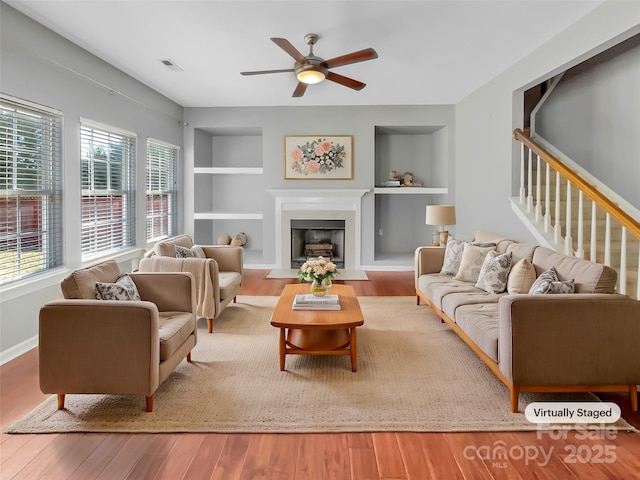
(310, 73)
(310, 77)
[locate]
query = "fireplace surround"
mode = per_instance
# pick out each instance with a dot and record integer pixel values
(319, 204)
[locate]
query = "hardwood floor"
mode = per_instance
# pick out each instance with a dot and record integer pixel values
(361, 456)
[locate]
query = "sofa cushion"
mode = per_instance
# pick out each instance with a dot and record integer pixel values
(480, 323)
(228, 282)
(590, 277)
(501, 243)
(122, 289)
(521, 277)
(562, 286)
(195, 251)
(175, 328)
(494, 272)
(472, 259)
(167, 248)
(437, 291)
(520, 251)
(81, 284)
(453, 254)
(452, 301)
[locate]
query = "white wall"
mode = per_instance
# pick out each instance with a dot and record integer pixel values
(36, 65)
(593, 117)
(486, 155)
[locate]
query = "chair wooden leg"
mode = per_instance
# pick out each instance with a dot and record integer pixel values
(210, 324)
(189, 357)
(150, 403)
(60, 401)
(234, 299)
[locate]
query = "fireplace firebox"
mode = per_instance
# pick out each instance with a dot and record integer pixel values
(317, 238)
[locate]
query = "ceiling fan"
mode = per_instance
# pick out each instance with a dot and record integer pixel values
(311, 69)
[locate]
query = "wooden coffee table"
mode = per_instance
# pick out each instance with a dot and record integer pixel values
(318, 332)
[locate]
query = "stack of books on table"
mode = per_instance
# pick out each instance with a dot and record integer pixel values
(311, 302)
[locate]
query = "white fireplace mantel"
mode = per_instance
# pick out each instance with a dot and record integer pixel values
(342, 204)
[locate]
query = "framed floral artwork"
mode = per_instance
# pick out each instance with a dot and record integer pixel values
(318, 157)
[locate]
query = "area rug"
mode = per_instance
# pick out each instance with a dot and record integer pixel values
(414, 374)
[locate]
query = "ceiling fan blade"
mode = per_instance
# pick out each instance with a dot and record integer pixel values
(300, 89)
(260, 72)
(354, 57)
(346, 81)
(284, 44)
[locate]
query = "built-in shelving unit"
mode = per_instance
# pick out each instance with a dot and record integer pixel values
(227, 165)
(421, 150)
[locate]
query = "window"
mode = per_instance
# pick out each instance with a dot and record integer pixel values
(108, 189)
(30, 190)
(162, 177)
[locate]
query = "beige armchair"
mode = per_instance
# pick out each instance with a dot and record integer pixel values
(114, 346)
(217, 272)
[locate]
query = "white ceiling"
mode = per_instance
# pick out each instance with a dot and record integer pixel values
(430, 52)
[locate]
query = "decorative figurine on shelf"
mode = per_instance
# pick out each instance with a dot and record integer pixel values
(408, 180)
(224, 239)
(239, 240)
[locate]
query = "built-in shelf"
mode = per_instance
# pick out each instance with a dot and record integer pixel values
(228, 216)
(228, 170)
(410, 190)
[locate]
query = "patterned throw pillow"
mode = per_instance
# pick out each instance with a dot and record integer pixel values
(453, 255)
(195, 251)
(543, 282)
(471, 263)
(495, 272)
(521, 277)
(566, 286)
(123, 289)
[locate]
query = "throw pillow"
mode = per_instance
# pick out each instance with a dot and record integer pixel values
(543, 282)
(494, 272)
(471, 263)
(123, 289)
(521, 277)
(453, 255)
(195, 251)
(566, 286)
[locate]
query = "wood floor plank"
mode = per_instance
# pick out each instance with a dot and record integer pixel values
(363, 463)
(463, 447)
(97, 461)
(146, 467)
(206, 457)
(232, 457)
(310, 457)
(125, 459)
(428, 456)
(29, 454)
(177, 461)
(388, 456)
(336, 457)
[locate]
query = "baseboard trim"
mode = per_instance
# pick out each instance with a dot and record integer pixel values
(19, 349)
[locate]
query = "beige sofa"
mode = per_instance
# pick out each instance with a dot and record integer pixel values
(217, 271)
(114, 346)
(585, 341)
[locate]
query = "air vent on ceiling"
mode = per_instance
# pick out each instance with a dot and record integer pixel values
(171, 65)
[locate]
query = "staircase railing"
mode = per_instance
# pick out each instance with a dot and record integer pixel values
(548, 191)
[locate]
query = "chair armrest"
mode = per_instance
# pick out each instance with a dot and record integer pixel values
(229, 257)
(427, 260)
(574, 339)
(99, 346)
(170, 292)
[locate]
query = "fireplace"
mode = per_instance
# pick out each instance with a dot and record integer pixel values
(317, 238)
(319, 204)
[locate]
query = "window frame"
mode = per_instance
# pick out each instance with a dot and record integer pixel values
(162, 169)
(32, 232)
(108, 184)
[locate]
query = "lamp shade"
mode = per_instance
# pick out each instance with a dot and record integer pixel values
(440, 215)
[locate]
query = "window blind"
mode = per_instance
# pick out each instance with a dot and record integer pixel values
(162, 179)
(31, 237)
(108, 190)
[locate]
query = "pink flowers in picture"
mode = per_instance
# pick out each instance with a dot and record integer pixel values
(318, 157)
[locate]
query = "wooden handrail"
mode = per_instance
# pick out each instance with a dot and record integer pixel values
(589, 190)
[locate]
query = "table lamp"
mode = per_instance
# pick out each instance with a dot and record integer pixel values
(441, 215)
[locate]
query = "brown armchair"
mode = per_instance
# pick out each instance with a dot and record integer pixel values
(114, 346)
(217, 272)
